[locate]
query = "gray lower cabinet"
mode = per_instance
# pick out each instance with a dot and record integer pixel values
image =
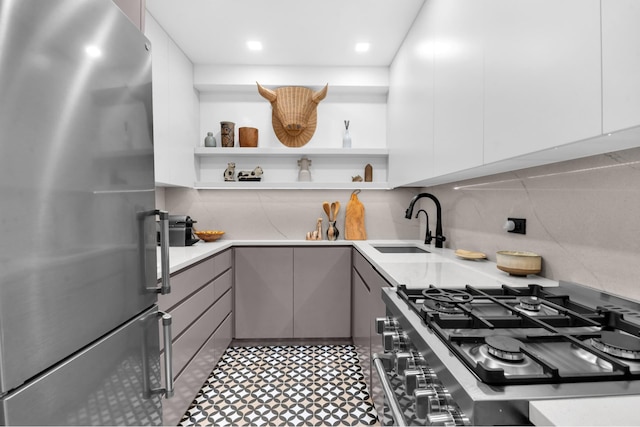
(293, 292)
(321, 292)
(367, 306)
(200, 304)
(360, 329)
(264, 290)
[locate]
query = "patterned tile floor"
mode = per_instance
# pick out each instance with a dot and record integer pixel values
(293, 385)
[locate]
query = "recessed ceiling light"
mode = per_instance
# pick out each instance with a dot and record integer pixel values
(254, 45)
(93, 51)
(362, 47)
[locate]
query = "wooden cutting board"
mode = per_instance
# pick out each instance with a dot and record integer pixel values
(354, 228)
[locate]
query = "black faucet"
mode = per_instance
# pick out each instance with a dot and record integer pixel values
(427, 236)
(409, 213)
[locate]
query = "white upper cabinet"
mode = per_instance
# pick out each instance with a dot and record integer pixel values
(542, 75)
(458, 91)
(620, 64)
(175, 110)
(486, 86)
(410, 104)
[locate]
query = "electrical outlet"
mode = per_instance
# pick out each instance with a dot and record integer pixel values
(520, 225)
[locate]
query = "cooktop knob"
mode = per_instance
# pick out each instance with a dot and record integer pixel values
(421, 402)
(441, 419)
(409, 360)
(395, 341)
(386, 324)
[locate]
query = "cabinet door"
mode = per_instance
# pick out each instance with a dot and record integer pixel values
(322, 292)
(542, 75)
(620, 64)
(459, 87)
(410, 104)
(361, 331)
(264, 292)
(175, 110)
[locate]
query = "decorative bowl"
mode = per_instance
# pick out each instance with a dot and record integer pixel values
(209, 235)
(518, 263)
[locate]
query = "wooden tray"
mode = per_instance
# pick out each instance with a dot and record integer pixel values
(462, 253)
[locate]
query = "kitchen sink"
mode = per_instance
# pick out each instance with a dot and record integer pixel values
(401, 250)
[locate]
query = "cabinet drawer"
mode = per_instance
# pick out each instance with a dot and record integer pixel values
(187, 282)
(223, 283)
(366, 270)
(185, 347)
(223, 261)
(187, 311)
(222, 337)
(188, 383)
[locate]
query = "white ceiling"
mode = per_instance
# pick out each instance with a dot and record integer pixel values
(293, 32)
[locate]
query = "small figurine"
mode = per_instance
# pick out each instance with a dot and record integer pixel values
(317, 233)
(254, 175)
(230, 171)
(368, 173)
(304, 175)
(356, 178)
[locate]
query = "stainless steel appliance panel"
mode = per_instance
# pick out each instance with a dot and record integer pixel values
(107, 383)
(77, 252)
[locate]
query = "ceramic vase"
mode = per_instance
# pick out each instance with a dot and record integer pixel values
(209, 140)
(332, 231)
(227, 130)
(346, 139)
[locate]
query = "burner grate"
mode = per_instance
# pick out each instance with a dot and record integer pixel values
(475, 317)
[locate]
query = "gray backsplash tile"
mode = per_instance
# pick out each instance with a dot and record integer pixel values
(583, 216)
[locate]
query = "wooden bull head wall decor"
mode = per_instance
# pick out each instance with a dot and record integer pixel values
(294, 112)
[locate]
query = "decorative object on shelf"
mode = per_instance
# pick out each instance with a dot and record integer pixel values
(354, 228)
(227, 130)
(254, 175)
(294, 112)
(346, 138)
(356, 178)
(368, 173)
(317, 233)
(230, 172)
(209, 140)
(248, 137)
(304, 174)
(332, 213)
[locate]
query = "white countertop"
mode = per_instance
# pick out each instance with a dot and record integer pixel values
(441, 267)
(588, 411)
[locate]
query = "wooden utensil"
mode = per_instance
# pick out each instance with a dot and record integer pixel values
(327, 209)
(335, 207)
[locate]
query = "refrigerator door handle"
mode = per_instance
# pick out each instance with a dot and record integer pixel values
(165, 287)
(168, 355)
(168, 360)
(165, 280)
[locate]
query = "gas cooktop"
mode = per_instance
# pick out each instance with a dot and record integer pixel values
(530, 335)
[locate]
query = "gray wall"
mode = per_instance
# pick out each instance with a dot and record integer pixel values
(583, 216)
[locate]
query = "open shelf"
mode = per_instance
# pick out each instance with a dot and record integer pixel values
(235, 185)
(332, 168)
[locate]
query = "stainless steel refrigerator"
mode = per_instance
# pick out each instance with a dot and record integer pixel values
(80, 330)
